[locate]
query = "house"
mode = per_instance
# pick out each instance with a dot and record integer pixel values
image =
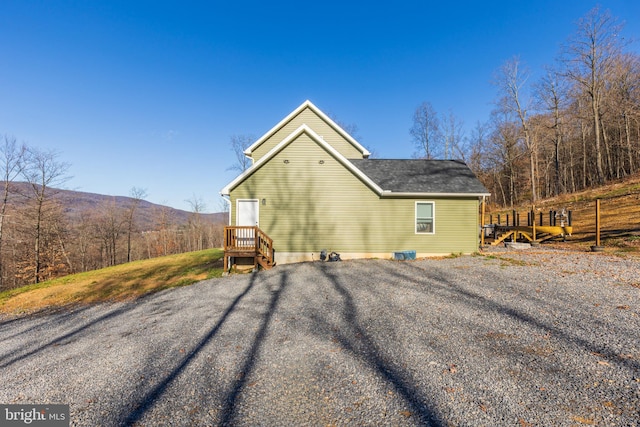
(312, 187)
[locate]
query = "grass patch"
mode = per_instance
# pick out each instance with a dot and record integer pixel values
(506, 261)
(119, 283)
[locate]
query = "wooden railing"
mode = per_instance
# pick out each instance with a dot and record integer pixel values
(264, 245)
(248, 242)
(238, 238)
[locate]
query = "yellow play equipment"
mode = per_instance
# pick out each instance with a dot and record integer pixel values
(560, 225)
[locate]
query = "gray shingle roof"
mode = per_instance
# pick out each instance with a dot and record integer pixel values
(421, 176)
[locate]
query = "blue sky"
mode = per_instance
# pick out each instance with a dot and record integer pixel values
(148, 93)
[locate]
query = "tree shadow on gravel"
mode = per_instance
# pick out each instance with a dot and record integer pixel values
(358, 342)
(229, 410)
(437, 283)
(22, 352)
(475, 300)
(38, 320)
(148, 399)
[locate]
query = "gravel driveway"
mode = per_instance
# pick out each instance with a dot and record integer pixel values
(518, 338)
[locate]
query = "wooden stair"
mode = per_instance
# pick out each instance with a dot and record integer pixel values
(248, 242)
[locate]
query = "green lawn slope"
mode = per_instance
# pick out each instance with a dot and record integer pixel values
(119, 283)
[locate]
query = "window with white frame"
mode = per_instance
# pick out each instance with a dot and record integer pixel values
(425, 218)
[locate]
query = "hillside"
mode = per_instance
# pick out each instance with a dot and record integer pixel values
(77, 202)
(118, 283)
(619, 214)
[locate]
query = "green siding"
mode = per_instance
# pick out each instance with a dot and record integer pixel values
(315, 122)
(311, 206)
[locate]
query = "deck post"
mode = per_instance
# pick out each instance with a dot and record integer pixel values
(597, 222)
(533, 220)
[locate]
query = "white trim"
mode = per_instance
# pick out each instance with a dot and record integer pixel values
(292, 136)
(433, 217)
(307, 104)
(388, 193)
(238, 210)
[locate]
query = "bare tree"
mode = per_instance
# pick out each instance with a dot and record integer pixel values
(425, 131)
(12, 159)
(43, 171)
(350, 128)
(510, 80)
(136, 196)
(551, 92)
(164, 224)
(108, 227)
(579, 128)
(624, 101)
(196, 232)
(506, 153)
(239, 143)
(223, 205)
(453, 136)
(589, 58)
(478, 150)
(83, 239)
(57, 260)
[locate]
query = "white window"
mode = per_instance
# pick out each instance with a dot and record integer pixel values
(425, 218)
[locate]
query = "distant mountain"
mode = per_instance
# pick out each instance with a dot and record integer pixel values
(76, 203)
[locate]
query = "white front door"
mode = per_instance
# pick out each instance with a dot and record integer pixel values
(247, 212)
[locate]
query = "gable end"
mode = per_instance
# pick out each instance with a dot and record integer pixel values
(250, 152)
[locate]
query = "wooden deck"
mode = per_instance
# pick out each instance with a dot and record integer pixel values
(248, 242)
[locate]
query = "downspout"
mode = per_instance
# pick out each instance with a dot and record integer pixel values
(228, 200)
(482, 223)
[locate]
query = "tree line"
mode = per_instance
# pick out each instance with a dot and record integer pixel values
(576, 127)
(42, 238)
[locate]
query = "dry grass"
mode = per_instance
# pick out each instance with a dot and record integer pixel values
(120, 283)
(619, 216)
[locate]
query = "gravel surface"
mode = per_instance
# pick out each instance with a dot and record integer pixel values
(539, 337)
